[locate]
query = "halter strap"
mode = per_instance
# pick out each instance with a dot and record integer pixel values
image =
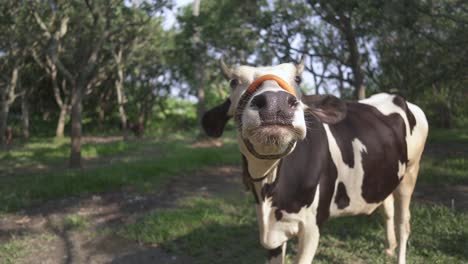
(282, 83)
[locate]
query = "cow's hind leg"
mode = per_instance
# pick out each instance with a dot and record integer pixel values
(388, 211)
(277, 255)
(402, 209)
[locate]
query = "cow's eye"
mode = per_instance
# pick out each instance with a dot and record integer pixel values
(298, 79)
(234, 83)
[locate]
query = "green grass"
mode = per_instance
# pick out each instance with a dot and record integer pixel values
(224, 229)
(19, 246)
(72, 222)
(208, 230)
(455, 135)
(12, 250)
(145, 172)
(54, 150)
(447, 170)
(214, 230)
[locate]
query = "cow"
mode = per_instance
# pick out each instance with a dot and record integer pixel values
(310, 158)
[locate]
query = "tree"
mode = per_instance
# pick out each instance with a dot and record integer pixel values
(209, 29)
(422, 55)
(13, 56)
(77, 35)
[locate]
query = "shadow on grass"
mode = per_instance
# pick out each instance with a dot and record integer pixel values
(219, 231)
(217, 243)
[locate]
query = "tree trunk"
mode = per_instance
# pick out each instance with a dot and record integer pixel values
(199, 72)
(119, 86)
(101, 116)
(59, 132)
(7, 98)
(25, 116)
(355, 61)
(141, 125)
(5, 108)
(76, 110)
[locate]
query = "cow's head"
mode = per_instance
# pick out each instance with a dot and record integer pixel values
(267, 108)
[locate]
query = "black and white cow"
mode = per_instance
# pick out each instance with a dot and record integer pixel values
(309, 158)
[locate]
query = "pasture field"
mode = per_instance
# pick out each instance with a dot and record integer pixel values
(170, 200)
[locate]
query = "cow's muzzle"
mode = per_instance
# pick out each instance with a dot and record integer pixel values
(265, 119)
(275, 108)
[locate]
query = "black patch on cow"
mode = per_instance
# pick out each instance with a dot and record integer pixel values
(278, 214)
(401, 102)
(384, 139)
(341, 198)
(273, 253)
(247, 179)
(327, 187)
(298, 174)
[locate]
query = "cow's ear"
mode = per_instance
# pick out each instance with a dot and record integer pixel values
(215, 119)
(327, 108)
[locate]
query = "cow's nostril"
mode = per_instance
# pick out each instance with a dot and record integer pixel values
(259, 101)
(292, 101)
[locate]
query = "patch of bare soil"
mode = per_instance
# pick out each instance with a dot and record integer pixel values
(53, 238)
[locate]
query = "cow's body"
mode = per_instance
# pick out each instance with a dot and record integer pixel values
(345, 158)
(347, 168)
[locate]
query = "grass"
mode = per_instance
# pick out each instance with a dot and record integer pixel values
(449, 170)
(224, 229)
(20, 246)
(54, 150)
(12, 250)
(75, 222)
(216, 230)
(208, 230)
(145, 172)
(455, 135)
(445, 161)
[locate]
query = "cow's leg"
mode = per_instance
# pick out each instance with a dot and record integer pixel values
(308, 242)
(388, 211)
(277, 255)
(402, 202)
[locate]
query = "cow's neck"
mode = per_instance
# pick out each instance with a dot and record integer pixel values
(259, 169)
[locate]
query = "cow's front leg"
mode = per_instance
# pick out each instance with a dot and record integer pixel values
(308, 242)
(277, 255)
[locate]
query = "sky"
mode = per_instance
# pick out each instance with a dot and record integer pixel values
(170, 15)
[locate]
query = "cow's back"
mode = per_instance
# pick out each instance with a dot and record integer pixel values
(371, 149)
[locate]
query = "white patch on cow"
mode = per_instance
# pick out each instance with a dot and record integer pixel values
(352, 178)
(299, 120)
(417, 139)
(258, 168)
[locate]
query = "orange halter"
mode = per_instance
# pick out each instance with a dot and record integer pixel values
(282, 83)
